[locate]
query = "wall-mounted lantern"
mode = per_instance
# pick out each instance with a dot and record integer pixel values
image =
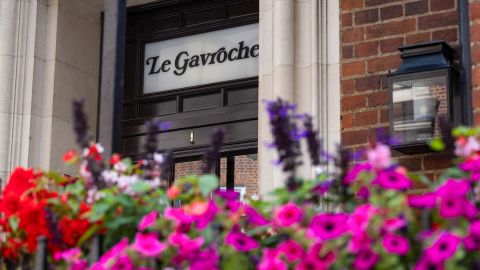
(424, 86)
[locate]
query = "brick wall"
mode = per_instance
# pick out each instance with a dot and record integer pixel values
(246, 172)
(474, 9)
(371, 32)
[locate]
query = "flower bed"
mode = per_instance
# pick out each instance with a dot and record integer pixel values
(363, 215)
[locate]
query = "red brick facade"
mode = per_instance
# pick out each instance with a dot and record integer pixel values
(475, 39)
(371, 32)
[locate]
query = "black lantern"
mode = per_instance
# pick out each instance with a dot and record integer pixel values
(424, 87)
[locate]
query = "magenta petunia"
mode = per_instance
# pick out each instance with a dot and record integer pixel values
(365, 259)
(472, 240)
(426, 264)
(180, 217)
(228, 195)
(427, 200)
(240, 241)
(291, 249)
(389, 179)
(453, 188)
(396, 244)
(451, 207)
(313, 260)
(147, 220)
(329, 226)
(354, 172)
(113, 253)
(148, 245)
(288, 214)
(359, 219)
(393, 224)
(443, 248)
(254, 217)
(363, 193)
(271, 261)
(123, 263)
(204, 219)
(471, 165)
(359, 241)
(205, 259)
(185, 245)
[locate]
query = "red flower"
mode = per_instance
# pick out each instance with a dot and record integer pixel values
(70, 156)
(10, 204)
(20, 181)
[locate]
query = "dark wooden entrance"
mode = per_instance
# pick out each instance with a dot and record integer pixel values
(194, 111)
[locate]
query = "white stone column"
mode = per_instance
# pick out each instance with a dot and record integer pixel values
(17, 29)
(299, 62)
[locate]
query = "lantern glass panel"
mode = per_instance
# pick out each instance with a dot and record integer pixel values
(417, 104)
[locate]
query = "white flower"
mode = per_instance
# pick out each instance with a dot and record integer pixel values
(158, 158)
(110, 176)
(466, 149)
(120, 166)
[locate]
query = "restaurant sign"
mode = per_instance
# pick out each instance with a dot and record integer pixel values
(211, 57)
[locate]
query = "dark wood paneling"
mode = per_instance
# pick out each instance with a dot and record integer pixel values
(157, 108)
(202, 16)
(242, 8)
(201, 101)
(162, 24)
(180, 139)
(240, 96)
(230, 105)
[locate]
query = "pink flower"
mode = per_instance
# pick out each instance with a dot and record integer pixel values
(254, 216)
(396, 244)
(207, 259)
(472, 240)
(228, 195)
(271, 261)
(443, 248)
(312, 260)
(123, 263)
(426, 264)
(465, 148)
(363, 193)
(180, 217)
(329, 226)
(451, 207)
(79, 265)
(359, 219)
(365, 259)
(184, 243)
(359, 241)
(353, 173)
(68, 255)
(117, 250)
(427, 200)
(291, 249)
(147, 220)
(393, 224)
(204, 219)
(288, 214)
(453, 188)
(389, 179)
(380, 156)
(148, 245)
(240, 241)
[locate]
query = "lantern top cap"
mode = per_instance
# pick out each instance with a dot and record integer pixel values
(425, 56)
(436, 46)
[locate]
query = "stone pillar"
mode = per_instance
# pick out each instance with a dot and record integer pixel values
(299, 60)
(17, 29)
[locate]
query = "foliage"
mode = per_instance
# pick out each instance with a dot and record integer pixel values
(364, 215)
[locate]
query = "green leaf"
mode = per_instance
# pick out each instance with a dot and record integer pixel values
(13, 222)
(140, 187)
(208, 183)
(88, 234)
(436, 144)
(237, 261)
